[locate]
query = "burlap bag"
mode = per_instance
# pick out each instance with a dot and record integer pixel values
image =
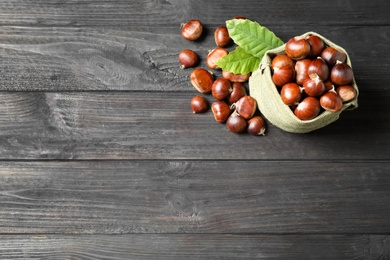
(262, 88)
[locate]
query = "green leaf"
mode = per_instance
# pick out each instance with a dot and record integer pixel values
(239, 62)
(252, 37)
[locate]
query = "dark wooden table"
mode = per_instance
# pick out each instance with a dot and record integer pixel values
(102, 158)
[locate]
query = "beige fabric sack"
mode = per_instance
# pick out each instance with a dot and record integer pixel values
(262, 88)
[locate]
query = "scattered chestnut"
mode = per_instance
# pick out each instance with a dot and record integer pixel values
(282, 60)
(235, 77)
(317, 45)
(214, 55)
(301, 68)
(246, 107)
(330, 101)
(256, 126)
(283, 75)
(221, 88)
(202, 80)
(188, 58)
(221, 37)
(318, 67)
(332, 55)
(235, 123)
(199, 104)
(291, 93)
(346, 93)
(341, 73)
(308, 109)
(238, 92)
(239, 17)
(314, 87)
(221, 111)
(297, 48)
(192, 30)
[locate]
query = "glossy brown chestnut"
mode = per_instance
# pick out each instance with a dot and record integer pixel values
(346, 93)
(301, 68)
(308, 109)
(221, 37)
(283, 75)
(282, 60)
(199, 104)
(341, 73)
(221, 111)
(235, 77)
(317, 45)
(188, 58)
(221, 88)
(246, 107)
(192, 30)
(330, 101)
(332, 55)
(314, 87)
(318, 67)
(291, 94)
(256, 126)
(202, 80)
(297, 48)
(235, 123)
(214, 55)
(238, 92)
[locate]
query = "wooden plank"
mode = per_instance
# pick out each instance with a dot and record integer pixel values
(278, 197)
(157, 125)
(129, 14)
(195, 246)
(67, 59)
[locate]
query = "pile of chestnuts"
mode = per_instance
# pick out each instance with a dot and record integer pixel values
(232, 105)
(312, 77)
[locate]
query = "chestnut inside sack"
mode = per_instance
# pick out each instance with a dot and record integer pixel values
(269, 101)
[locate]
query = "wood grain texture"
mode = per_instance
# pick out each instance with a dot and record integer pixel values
(149, 13)
(79, 59)
(174, 246)
(235, 197)
(156, 125)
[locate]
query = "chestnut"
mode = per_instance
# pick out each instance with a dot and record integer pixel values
(192, 30)
(214, 55)
(332, 55)
(308, 109)
(199, 104)
(235, 77)
(291, 94)
(282, 60)
(221, 88)
(301, 68)
(314, 87)
(238, 91)
(341, 73)
(330, 101)
(221, 111)
(346, 92)
(256, 126)
(188, 58)
(283, 75)
(202, 80)
(246, 107)
(235, 123)
(317, 45)
(297, 48)
(221, 37)
(318, 67)
(328, 85)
